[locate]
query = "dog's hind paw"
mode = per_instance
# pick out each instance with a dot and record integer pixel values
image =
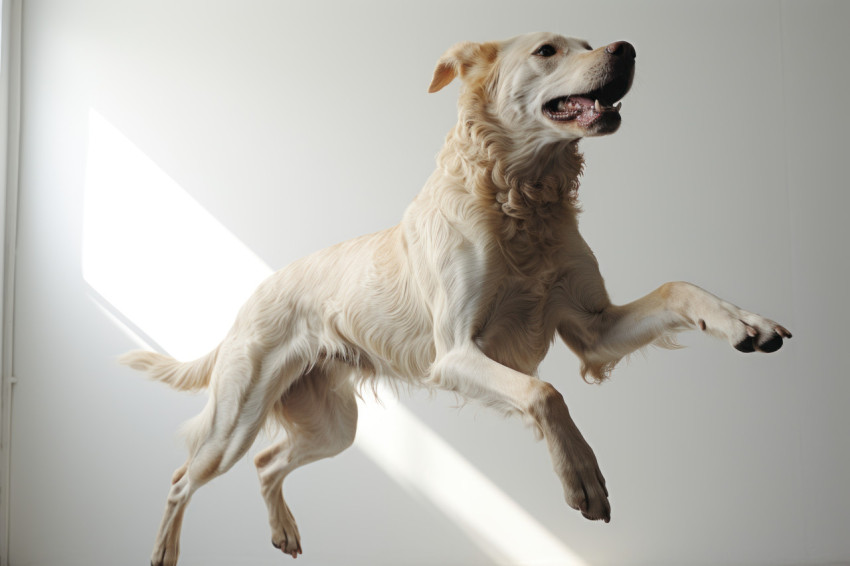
(289, 542)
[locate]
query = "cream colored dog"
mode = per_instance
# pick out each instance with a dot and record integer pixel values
(466, 294)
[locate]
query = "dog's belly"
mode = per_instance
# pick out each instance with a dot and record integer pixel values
(396, 336)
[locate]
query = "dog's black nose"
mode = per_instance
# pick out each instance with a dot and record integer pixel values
(622, 49)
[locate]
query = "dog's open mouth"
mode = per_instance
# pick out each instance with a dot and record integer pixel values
(586, 108)
(583, 109)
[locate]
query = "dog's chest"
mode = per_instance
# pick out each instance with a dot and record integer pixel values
(531, 288)
(515, 326)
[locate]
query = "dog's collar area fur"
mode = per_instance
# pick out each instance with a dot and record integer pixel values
(529, 200)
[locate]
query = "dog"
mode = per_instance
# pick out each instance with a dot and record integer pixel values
(466, 294)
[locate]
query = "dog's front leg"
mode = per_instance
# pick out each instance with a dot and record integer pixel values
(602, 338)
(467, 371)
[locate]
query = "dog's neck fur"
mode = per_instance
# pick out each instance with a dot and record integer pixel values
(531, 189)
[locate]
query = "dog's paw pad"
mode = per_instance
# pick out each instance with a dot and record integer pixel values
(771, 345)
(758, 334)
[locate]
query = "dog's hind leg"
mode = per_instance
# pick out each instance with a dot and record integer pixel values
(244, 389)
(319, 413)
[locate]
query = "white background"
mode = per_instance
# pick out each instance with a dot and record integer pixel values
(291, 127)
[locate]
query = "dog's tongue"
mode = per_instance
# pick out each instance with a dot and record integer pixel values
(572, 107)
(582, 109)
(581, 101)
(580, 106)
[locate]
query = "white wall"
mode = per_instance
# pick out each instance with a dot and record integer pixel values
(297, 126)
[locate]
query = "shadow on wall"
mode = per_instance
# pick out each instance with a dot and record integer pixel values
(152, 256)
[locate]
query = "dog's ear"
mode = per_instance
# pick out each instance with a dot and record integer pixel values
(459, 60)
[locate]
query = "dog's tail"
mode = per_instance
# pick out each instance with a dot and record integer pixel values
(185, 376)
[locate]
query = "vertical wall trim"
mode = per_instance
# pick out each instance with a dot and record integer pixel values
(10, 121)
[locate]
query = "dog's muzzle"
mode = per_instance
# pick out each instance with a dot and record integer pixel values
(599, 106)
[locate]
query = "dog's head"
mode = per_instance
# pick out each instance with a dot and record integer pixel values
(542, 86)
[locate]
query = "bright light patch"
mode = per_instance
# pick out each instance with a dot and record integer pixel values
(165, 267)
(155, 254)
(422, 462)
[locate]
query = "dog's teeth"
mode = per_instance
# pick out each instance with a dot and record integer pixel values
(597, 106)
(562, 105)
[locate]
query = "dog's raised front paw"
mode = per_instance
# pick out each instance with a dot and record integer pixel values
(760, 334)
(746, 331)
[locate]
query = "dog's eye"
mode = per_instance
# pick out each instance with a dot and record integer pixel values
(546, 51)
